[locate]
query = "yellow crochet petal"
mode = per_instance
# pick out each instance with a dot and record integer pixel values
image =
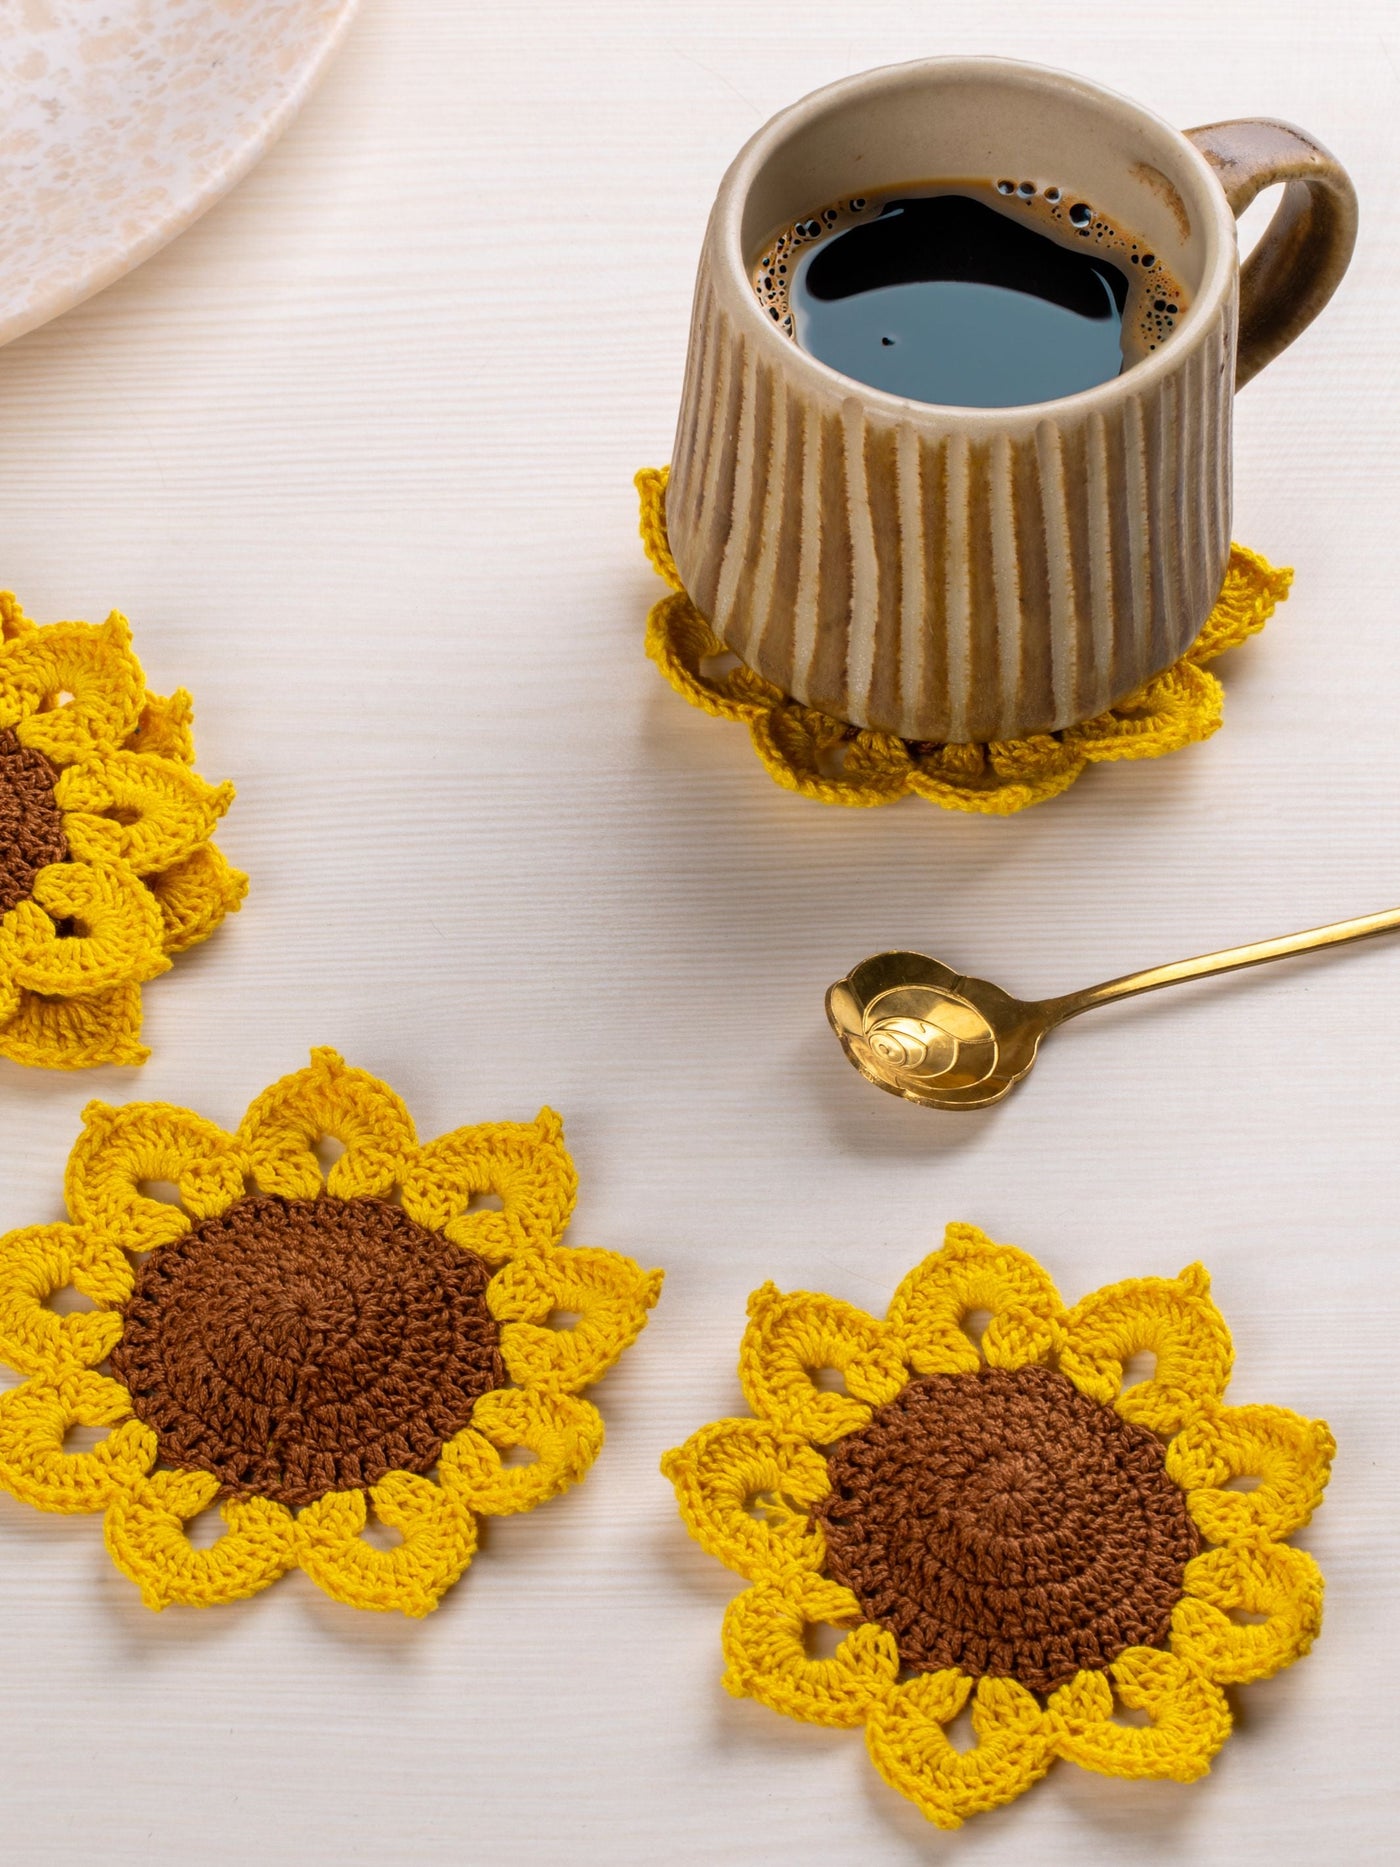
(13, 621)
(726, 1470)
(1190, 1718)
(35, 1417)
(1291, 1457)
(791, 1337)
(565, 1435)
(194, 895)
(75, 1033)
(766, 1658)
(120, 1149)
(1176, 708)
(1283, 1584)
(439, 1540)
(92, 663)
(328, 1098)
(999, 779)
(609, 1294)
(1248, 597)
(794, 742)
(650, 483)
(1171, 1316)
(523, 1164)
(37, 1262)
(118, 939)
(970, 1273)
(909, 1747)
(680, 641)
(144, 1530)
(145, 810)
(166, 727)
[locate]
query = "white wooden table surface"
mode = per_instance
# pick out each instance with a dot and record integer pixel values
(355, 456)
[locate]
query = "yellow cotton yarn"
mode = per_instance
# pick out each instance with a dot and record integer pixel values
(134, 879)
(752, 1493)
(533, 1281)
(1176, 708)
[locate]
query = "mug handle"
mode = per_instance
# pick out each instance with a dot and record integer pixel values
(1299, 262)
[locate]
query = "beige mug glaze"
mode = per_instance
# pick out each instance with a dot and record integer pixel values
(960, 574)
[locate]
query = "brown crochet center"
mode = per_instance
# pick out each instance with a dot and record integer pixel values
(31, 826)
(298, 1346)
(1001, 1523)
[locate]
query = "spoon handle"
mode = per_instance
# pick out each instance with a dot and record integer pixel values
(1070, 1006)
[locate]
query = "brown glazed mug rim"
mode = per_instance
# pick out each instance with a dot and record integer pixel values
(1217, 223)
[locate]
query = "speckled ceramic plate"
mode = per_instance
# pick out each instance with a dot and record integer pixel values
(121, 122)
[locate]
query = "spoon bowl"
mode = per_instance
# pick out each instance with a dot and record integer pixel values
(914, 1027)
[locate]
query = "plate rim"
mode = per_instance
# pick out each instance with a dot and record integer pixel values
(122, 259)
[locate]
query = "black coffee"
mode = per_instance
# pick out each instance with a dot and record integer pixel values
(947, 297)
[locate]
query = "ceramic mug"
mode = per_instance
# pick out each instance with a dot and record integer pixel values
(969, 574)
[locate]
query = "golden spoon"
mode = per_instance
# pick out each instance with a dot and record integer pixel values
(913, 1026)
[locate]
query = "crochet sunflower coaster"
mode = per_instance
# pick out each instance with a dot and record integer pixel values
(301, 1352)
(796, 743)
(1004, 1523)
(106, 868)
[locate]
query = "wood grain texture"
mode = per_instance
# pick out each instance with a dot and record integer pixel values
(354, 454)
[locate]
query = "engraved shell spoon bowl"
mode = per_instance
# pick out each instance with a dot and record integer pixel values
(914, 1027)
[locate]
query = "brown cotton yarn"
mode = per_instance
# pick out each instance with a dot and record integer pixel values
(31, 826)
(298, 1346)
(1001, 1523)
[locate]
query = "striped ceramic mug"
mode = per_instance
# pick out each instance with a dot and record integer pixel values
(954, 574)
